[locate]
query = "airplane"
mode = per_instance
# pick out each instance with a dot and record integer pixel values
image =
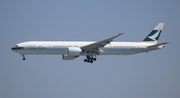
(73, 49)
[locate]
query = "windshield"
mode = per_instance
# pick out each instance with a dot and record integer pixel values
(15, 45)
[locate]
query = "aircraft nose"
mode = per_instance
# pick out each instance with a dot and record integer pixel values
(12, 48)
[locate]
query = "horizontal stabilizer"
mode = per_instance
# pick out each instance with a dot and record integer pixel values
(157, 45)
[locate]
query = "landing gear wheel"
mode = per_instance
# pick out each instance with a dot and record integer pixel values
(85, 60)
(91, 61)
(90, 58)
(94, 59)
(23, 57)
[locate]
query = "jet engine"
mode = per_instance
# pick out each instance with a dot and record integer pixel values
(100, 51)
(74, 51)
(67, 57)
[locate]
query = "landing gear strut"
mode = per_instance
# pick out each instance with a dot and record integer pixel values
(23, 57)
(90, 59)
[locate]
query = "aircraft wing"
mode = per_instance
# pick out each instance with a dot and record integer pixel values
(156, 45)
(99, 44)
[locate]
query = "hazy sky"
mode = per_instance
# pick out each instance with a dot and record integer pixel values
(149, 75)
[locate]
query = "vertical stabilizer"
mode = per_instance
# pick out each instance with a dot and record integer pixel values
(155, 34)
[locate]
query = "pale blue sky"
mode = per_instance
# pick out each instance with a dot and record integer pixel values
(149, 75)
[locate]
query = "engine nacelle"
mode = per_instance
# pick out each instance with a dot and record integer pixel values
(67, 57)
(101, 52)
(74, 51)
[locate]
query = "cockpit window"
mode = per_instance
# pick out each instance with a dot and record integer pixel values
(15, 45)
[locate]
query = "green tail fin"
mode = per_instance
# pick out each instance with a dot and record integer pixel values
(155, 34)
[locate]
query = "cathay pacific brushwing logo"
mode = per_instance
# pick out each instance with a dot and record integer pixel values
(154, 36)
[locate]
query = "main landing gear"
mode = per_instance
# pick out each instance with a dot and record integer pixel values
(90, 59)
(23, 57)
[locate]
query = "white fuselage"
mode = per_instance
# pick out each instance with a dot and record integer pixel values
(61, 47)
(73, 49)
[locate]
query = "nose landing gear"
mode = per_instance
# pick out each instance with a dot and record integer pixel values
(90, 59)
(23, 57)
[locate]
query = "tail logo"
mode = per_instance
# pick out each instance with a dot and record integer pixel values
(155, 33)
(154, 36)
